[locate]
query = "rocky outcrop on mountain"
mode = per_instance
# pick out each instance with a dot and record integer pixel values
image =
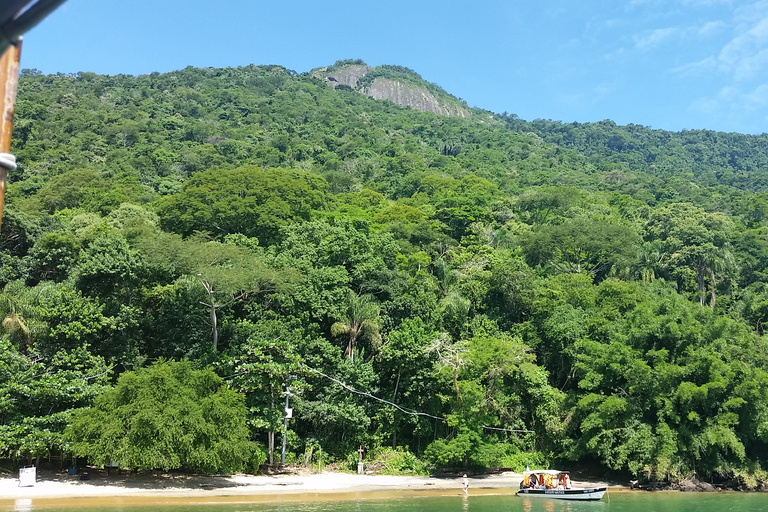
(348, 75)
(414, 96)
(407, 93)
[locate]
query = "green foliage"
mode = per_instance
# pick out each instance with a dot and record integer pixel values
(454, 452)
(73, 320)
(38, 397)
(262, 365)
(601, 288)
(246, 200)
(80, 188)
(166, 416)
(342, 63)
(581, 245)
(509, 455)
(360, 321)
(399, 462)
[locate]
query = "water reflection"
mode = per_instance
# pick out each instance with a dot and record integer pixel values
(23, 505)
(397, 501)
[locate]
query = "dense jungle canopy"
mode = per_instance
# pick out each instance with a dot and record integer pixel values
(539, 292)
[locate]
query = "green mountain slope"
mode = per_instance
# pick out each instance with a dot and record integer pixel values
(539, 292)
(707, 157)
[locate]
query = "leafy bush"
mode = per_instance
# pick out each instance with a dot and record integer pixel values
(166, 416)
(452, 452)
(518, 461)
(259, 457)
(351, 462)
(401, 462)
(343, 63)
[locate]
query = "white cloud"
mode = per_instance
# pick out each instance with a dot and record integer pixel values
(707, 65)
(605, 88)
(705, 2)
(747, 53)
(674, 3)
(653, 38)
(711, 27)
(707, 106)
(758, 97)
(656, 37)
(733, 100)
(744, 56)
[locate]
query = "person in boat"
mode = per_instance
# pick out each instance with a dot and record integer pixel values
(527, 483)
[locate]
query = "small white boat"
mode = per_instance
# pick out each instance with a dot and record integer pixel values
(555, 485)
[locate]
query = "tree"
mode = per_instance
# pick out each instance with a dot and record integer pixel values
(38, 397)
(18, 232)
(108, 267)
(247, 200)
(226, 273)
(18, 315)
(261, 366)
(510, 287)
(650, 262)
(547, 204)
(230, 274)
(334, 257)
(75, 320)
(406, 368)
(698, 244)
(166, 416)
(80, 188)
(361, 320)
(581, 244)
(53, 256)
(461, 202)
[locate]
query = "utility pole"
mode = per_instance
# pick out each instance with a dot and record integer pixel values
(9, 81)
(288, 414)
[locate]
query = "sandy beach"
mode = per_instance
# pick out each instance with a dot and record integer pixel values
(167, 488)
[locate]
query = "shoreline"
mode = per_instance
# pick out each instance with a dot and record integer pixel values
(168, 487)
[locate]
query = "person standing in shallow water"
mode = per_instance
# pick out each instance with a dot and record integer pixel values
(465, 483)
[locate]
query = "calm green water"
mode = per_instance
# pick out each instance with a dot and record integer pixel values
(620, 502)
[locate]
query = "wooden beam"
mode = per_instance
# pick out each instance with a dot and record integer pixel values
(9, 81)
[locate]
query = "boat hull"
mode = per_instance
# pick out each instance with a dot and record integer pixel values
(585, 494)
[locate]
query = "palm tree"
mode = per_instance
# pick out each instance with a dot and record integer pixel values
(18, 318)
(361, 321)
(649, 262)
(720, 262)
(446, 276)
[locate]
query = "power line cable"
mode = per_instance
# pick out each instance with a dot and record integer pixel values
(353, 390)
(399, 407)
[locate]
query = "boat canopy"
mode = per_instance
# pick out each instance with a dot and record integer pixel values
(544, 472)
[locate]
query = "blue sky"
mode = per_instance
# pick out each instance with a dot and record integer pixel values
(667, 64)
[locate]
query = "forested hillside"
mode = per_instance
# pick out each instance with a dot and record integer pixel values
(524, 292)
